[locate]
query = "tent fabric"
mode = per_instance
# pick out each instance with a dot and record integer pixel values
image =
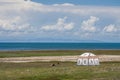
(88, 59)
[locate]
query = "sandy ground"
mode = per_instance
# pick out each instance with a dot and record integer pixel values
(102, 58)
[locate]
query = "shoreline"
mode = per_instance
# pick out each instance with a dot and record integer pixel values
(63, 50)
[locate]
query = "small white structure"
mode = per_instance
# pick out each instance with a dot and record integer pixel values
(88, 59)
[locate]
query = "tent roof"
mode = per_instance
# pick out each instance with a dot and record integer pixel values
(87, 54)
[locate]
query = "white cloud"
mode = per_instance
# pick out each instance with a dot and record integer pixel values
(110, 28)
(12, 0)
(14, 25)
(60, 25)
(26, 7)
(65, 4)
(63, 8)
(89, 25)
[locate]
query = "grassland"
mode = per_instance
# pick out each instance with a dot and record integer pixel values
(61, 71)
(55, 53)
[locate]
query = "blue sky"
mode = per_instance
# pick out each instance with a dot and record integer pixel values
(60, 21)
(82, 2)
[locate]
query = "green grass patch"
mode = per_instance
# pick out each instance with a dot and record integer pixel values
(61, 71)
(55, 53)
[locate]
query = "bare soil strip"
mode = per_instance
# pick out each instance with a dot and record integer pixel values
(102, 58)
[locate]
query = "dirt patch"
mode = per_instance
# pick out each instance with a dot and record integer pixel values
(102, 58)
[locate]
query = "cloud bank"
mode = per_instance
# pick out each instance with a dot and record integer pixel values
(59, 26)
(59, 21)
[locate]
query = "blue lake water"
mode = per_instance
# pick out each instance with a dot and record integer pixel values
(58, 46)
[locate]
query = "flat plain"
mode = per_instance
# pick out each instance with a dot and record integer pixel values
(57, 70)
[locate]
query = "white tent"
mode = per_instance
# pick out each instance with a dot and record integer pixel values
(88, 59)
